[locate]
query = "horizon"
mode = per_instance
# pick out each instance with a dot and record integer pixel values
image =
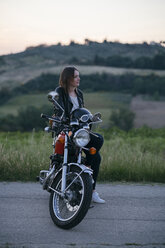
(83, 43)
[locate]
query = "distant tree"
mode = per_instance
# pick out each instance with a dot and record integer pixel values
(105, 41)
(72, 43)
(122, 118)
(98, 60)
(9, 123)
(86, 41)
(74, 60)
(29, 118)
(89, 42)
(119, 61)
(143, 62)
(145, 43)
(26, 120)
(159, 61)
(5, 95)
(2, 60)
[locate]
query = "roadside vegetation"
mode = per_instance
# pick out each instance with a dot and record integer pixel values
(128, 154)
(134, 156)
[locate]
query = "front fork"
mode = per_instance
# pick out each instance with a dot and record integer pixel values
(65, 164)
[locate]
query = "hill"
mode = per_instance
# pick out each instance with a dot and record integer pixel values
(26, 77)
(16, 69)
(61, 54)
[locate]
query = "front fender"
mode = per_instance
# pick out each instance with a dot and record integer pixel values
(82, 167)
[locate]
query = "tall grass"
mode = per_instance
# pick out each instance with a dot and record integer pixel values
(23, 155)
(124, 157)
(132, 160)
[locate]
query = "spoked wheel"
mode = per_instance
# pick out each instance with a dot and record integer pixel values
(67, 211)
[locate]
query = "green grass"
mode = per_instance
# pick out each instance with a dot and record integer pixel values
(124, 158)
(23, 155)
(23, 101)
(96, 102)
(133, 159)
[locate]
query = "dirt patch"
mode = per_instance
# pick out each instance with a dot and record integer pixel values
(150, 113)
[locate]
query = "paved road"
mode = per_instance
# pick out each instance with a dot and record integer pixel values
(133, 216)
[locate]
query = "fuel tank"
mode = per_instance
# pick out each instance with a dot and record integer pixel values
(59, 145)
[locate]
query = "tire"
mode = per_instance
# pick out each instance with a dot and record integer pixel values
(76, 202)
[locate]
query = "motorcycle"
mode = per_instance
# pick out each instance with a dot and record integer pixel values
(69, 179)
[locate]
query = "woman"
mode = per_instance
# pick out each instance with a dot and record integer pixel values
(71, 98)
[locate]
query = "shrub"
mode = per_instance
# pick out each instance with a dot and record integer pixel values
(122, 118)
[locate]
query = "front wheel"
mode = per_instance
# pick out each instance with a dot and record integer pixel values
(68, 211)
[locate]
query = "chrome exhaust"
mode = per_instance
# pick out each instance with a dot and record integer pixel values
(43, 174)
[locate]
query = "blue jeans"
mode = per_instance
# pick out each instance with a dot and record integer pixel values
(94, 160)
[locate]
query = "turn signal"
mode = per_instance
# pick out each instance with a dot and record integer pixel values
(92, 151)
(50, 123)
(70, 133)
(61, 138)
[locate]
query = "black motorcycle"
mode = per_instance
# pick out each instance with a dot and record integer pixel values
(69, 179)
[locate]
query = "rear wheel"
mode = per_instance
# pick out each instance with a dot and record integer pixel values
(67, 211)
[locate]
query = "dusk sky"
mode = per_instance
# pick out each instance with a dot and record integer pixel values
(26, 23)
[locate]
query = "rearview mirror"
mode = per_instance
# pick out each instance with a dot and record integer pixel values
(97, 117)
(52, 96)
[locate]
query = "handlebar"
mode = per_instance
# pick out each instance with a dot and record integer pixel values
(50, 118)
(44, 116)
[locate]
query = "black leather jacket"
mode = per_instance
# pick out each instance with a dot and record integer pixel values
(65, 101)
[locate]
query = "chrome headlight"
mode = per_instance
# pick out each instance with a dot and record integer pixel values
(81, 138)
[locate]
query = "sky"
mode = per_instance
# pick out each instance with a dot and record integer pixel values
(25, 23)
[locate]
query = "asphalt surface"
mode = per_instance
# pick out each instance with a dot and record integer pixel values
(133, 216)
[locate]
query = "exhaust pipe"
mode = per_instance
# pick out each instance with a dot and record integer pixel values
(43, 174)
(44, 177)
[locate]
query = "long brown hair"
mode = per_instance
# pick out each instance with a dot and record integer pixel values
(66, 76)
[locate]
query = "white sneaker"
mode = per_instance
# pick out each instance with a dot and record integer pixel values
(96, 198)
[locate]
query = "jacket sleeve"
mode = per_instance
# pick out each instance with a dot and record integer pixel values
(80, 93)
(57, 110)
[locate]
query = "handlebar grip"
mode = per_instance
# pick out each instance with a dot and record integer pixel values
(50, 118)
(44, 116)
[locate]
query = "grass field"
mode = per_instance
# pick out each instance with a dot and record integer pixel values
(95, 102)
(23, 101)
(124, 157)
(148, 112)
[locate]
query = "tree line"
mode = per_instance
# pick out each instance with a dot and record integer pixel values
(127, 83)
(26, 120)
(143, 62)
